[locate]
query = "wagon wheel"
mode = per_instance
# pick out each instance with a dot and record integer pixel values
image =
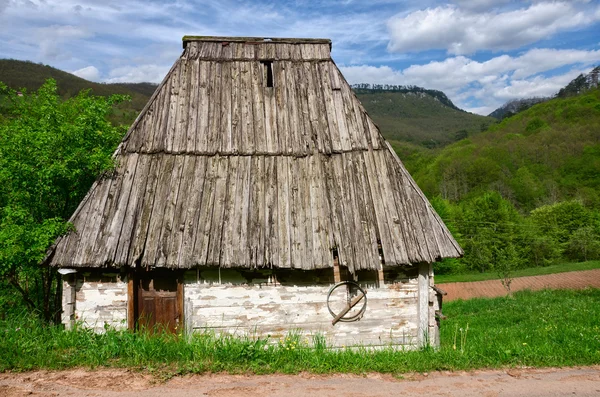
(346, 302)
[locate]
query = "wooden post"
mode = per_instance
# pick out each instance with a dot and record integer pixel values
(131, 301)
(69, 299)
(336, 270)
(423, 305)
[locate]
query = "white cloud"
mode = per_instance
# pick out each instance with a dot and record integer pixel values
(489, 83)
(463, 31)
(138, 74)
(90, 73)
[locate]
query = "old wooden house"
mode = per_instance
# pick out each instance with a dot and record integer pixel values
(251, 183)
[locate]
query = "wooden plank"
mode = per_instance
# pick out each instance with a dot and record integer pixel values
(173, 109)
(271, 219)
(199, 218)
(133, 211)
(371, 226)
(295, 131)
(112, 217)
(199, 203)
(295, 52)
(216, 86)
(297, 232)
(400, 246)
(179, 143)
(270, 119)
(168, 218)
(352, 116)
(194, 102)
(283, 212)
(332, 121)
(316, 116)
(338, 210)
(257, 84)
(165, 174)
(226, 127)
(161, 124)
(256, 214)
(423, 305)
(203, 98)
(188, 187)
(218, 215)
(379, 214)
(138, 242)
(130, 301)
(246, 109)
(237, 142)
(338, 104)
(308, 138)
(241, 215)
(283, 124)
(282, 52)
(229, 221)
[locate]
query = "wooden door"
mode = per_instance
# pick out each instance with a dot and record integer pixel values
(159, 296)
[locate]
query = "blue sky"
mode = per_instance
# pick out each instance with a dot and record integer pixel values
(481, 53)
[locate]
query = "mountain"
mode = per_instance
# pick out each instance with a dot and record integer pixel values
(414, 115)
(515, 106)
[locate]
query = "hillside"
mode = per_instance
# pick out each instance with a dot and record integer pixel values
(30, 76)
(548, 153)
(419, 117)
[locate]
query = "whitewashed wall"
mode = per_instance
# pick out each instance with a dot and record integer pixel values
(234, 306)
(100, 300)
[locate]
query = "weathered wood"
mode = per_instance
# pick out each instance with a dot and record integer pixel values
(203, 108)
(423, 305)
(348, 307)
(133, 210)
(231, 172)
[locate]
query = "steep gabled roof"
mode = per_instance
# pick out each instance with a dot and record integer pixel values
(251, 153)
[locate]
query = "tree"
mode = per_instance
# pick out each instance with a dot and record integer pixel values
(51, 151)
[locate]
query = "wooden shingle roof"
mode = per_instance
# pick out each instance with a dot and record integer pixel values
(251, 153)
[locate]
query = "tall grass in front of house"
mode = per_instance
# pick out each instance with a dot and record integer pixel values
(543, 328)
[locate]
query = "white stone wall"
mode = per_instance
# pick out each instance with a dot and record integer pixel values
(276, 310)
(100, 301)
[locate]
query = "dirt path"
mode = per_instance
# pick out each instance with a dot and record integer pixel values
(491, 288)
(122, 383)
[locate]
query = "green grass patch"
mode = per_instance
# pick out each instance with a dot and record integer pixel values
(532, 271)
(543, 328)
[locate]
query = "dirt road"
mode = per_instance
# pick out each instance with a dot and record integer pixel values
(492, 288)
(123, 383)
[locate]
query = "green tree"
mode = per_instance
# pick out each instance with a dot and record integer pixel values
(51, 151)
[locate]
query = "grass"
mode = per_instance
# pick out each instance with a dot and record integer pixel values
(533, 271)
(543, 328)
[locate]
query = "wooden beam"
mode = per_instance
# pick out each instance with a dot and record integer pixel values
(130, 302)
(423, 304)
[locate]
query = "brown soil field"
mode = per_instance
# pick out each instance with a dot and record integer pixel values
(493, 288)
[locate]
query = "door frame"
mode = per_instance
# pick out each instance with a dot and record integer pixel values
(133, 279)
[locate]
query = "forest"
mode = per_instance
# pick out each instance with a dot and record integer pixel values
(523, 193)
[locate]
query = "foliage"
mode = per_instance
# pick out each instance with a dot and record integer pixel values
(544, 328)
(51, 151)
(29, 76)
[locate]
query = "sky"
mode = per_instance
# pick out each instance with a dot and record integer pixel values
(481, 53)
